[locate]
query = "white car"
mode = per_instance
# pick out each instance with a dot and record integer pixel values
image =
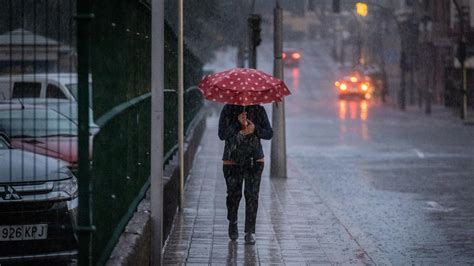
(41, 85)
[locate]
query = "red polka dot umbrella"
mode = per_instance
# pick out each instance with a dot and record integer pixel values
(243, 86)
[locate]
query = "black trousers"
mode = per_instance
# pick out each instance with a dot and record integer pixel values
(235, 176)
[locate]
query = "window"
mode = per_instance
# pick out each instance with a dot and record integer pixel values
(54, 92)
(26, 90)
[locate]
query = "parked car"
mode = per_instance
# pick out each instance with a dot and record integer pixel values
(291, 57)
(41, 85)
(41, 130)
(38, 206)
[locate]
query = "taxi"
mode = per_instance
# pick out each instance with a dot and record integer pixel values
(354, 85)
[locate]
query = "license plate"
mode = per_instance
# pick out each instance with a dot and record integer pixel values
(23, 232)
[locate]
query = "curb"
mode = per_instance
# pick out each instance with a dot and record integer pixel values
(133, 247)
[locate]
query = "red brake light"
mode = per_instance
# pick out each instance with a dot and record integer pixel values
(283, 55)
(343, 87)
(296, 56)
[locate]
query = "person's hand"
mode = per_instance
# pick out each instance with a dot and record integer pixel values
(243, 119)
(250, 129)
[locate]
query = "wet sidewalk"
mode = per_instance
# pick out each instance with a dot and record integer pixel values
(294, 225)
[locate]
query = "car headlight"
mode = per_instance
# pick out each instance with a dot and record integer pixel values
(68, 185)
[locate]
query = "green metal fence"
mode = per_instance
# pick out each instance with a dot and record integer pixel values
(68, 48)
(120, 67)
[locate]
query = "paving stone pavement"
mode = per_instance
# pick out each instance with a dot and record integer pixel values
(294, 226)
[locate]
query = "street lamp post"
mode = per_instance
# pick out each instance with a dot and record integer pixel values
(359, 44)
(278, 148)
(408, 31)
(181, 180)
(157, 122)
(405, 62)
(462, 59)
(383, 64)
(362, 9)
(426, 28)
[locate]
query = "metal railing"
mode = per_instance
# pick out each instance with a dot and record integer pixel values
(122, 160)
(120, 67)
(120, 171)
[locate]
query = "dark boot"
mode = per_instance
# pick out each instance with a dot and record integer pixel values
(233, 231)
(250, 239)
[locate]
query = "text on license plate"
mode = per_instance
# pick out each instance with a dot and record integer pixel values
(23, 232)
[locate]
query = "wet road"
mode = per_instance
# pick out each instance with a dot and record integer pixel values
(402, 184)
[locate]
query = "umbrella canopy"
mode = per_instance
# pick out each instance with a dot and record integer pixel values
(243, 86)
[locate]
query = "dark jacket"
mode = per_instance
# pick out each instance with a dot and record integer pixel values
(229, 127)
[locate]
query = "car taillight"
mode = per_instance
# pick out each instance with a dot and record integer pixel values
(337, 83)
(343, 87)
(364, 87)
(354, 79)
(283, 55)
(296, 56)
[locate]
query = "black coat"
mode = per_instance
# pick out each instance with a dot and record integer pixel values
(229, 127)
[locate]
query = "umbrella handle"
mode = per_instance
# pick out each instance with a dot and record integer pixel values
(244, 126)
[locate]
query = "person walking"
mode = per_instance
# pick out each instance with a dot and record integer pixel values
(242, 128)
(242, 124)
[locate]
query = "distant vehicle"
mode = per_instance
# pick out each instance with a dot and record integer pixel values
(291, 57)
(41, 85)
(377, 78)
(41, 130)
(38, 206)
(354, 85)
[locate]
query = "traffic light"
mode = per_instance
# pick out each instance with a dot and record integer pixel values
(255, 22)
(336, 6)
(362, 9)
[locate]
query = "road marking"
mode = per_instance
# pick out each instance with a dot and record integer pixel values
(420, 154)
(436, 207)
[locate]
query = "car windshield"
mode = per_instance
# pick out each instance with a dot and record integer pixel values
(70, 111)
(3, 144)
(36, 123)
